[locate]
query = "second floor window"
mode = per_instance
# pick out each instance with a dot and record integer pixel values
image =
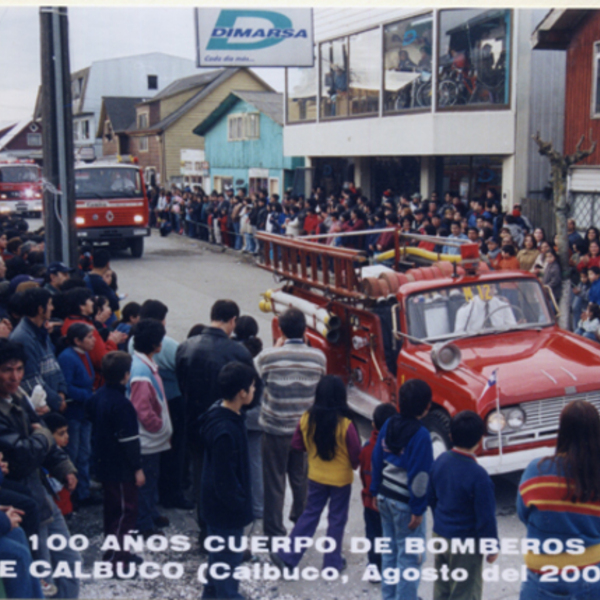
(152, 82)
(243, 127)
(142, 120)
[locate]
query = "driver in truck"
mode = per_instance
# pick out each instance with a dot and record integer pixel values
(491, 311)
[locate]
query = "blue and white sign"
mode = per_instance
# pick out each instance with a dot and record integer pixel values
(254, 37)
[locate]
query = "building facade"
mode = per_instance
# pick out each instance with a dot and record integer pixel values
(22, 140)
(162, 137)
(576, 32)
(423, 100)
(243, 143)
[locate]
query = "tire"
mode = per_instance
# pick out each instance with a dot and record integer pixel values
(447, 93)
(438, 424)
(137, 247)
(424, 95)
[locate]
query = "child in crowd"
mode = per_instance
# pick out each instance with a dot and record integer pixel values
(147, 394)
(590, 322)
(226, 505)
(76, 365)
(59, 427)
(130, 315)
(371, 515)
(461, 495)
(580, 296)
(329, 437)
(117, 451)
(401, 463)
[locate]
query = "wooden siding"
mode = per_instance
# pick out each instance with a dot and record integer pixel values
(580, 71)
(19, 142)
(266, 152)
(151, 158)
(171, 104)
(180, 134)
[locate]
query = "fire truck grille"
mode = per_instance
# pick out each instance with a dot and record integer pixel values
(541, 420)
(113, 217)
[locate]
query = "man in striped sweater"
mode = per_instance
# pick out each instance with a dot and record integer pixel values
(290, 372)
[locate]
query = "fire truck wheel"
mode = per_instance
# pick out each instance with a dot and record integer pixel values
(137, 247)
(438, 424)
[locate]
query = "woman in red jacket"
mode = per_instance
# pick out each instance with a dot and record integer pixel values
(80, 306)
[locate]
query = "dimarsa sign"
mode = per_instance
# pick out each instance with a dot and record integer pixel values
(254, 38)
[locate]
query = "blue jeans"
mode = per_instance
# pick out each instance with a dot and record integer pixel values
(13, 546)
(238, 238)
(395, 517)
(67, 587)
(249, 242)
(224, 588)
(148, 493)
(256, 472)
(79, 449)
(534, 589)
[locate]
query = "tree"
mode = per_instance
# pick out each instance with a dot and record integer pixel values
(559, 169)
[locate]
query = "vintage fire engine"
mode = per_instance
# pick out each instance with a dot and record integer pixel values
(484, 340)
(112, 205)
(20, 187)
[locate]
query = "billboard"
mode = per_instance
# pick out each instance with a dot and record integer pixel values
(254, 38)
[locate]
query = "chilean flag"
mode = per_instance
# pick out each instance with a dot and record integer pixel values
(490, 389)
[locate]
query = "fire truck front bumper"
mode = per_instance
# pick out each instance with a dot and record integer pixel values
(508, 462)
(111, 234)
(20, 207)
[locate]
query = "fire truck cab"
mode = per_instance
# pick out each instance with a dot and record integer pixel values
(112, 205)
(20, 187)
(457, 326)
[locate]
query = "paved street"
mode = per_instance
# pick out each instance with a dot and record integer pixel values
(189, 276)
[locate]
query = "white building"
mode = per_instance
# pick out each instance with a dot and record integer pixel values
(141, 76)
(424, 100)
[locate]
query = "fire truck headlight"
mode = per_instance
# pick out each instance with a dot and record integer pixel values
(515, 418)
(79, 221)
(37, 196)
(138, 219)
(28, 193)
(495, 422)
(3, 196)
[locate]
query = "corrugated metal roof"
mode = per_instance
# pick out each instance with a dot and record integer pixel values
(121, 111)
(269, 103)
(188, 83)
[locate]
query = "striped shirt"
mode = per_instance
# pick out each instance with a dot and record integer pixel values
(290, 374)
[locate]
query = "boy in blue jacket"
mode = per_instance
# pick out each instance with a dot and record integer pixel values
(401, 463)
(226, 495)
(461, 495)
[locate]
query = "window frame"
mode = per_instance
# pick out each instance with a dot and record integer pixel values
(154, 80)
(143, 143)
(143, 120)
(595, 73)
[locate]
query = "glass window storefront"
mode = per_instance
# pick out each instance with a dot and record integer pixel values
(407, 63)
(365, 73)
(473, 49)
(473, 58)
(301, 95)
(334, 78)
(471, 176)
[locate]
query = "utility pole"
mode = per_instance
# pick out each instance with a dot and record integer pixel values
(59, 183)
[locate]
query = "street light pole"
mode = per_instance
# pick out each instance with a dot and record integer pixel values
(59, 186)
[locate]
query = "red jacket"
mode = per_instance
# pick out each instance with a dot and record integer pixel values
(365, 470)
(100, 347)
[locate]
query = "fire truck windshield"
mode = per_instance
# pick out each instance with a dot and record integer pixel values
(468, 310)
(19, 174)
(107, 182)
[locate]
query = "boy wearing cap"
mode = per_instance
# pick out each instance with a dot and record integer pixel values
(56, 273)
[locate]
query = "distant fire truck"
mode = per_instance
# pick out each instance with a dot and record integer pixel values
(457, 326)
(20, 187)
(112, 205)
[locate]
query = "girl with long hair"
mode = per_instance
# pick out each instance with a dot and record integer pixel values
(559, 502)
(327, 434)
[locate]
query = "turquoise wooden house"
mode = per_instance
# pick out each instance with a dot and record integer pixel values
(243, 144)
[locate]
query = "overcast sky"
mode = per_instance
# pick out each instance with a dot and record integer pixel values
(95, 34)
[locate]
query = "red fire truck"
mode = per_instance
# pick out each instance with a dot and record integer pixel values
(20, 187)
(112, 205)
(484, 340)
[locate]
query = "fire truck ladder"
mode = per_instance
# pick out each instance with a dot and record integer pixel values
(327, 268)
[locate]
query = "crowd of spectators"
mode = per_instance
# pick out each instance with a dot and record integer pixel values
(506, 239)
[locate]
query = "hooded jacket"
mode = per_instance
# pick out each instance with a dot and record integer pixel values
(226, 500)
